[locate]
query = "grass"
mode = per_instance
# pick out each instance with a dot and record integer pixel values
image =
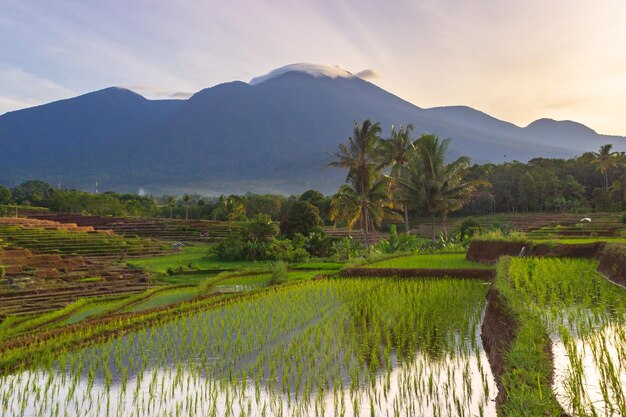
(183, 278)
(331, 266)
(434, 261)
(196, 256)
(163, 298)
(578, 240)
(90, 279)
(95, 309)
(260, 279)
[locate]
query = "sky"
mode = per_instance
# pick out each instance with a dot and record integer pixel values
(516, 60)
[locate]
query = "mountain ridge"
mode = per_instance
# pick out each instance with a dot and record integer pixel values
(273, 136)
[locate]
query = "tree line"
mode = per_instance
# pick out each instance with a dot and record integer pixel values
(388, 180)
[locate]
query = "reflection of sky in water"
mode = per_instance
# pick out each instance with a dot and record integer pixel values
(197, 366)
(422, 387)
(593, 353)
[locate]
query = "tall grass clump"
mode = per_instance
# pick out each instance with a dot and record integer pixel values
(279, 274)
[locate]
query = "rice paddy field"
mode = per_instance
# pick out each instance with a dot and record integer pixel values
(196, 256)
(213, 338)
(428, 260)
(585, 317)
(342, 347)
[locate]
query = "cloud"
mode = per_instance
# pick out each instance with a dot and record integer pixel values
(315, 70)
(368, 74)
(181, 95)
(157, 92)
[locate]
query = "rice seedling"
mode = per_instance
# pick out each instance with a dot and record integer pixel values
(586, 318)
(428, 260)
(346, 347)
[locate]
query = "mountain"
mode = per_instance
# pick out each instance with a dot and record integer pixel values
(274, 134)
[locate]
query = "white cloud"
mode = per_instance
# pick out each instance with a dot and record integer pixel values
(315, 70)
(368, 74)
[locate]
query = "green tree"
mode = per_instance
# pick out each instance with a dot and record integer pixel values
(187, 201)
(360, 159)
(302, 218)
(605, 161)
(261, 228)
(394, 153)
(33, 191)
(347, 205)
(456, 190)
(442, 187)
(5, 195)
(320, 201)
(230, 208)
(171, 203)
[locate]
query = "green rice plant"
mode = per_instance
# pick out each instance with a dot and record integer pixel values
(423, 260)
(584, 314)
(326, 347)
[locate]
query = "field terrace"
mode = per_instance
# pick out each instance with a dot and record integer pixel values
(49, 264)
(187, 231)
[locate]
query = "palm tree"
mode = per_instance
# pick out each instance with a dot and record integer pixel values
(605, 160)
(456, 191)
(440, 186)
(359, 158)
(171, 202)
(394, 152)
(232, 208)
(186, 199)
(347, 205)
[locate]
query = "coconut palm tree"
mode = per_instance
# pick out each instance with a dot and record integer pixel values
(605, 160)
(360, 159)
(394, 153)
(440, 186)
(171, 202)
(347, 205)
(187, 200)
(456, 191)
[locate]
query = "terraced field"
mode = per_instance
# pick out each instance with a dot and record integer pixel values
(52, 237)
(600, 226)
(49, 265)
(169, 230)
(603, 224)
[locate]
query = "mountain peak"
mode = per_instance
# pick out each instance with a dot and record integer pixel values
(566, 126)
(316, 70)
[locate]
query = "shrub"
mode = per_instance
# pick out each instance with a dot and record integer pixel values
(318, 244)
(2, 272)
(468, 228)
(346, 248)
(279, 274)
(228, 249)
(402, 242)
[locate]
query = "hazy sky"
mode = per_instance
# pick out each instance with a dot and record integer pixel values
(516, 60)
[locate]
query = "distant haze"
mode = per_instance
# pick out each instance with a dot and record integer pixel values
(518, 61)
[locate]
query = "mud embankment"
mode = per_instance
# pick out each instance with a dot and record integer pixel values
(613, 263)
(498, 333)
